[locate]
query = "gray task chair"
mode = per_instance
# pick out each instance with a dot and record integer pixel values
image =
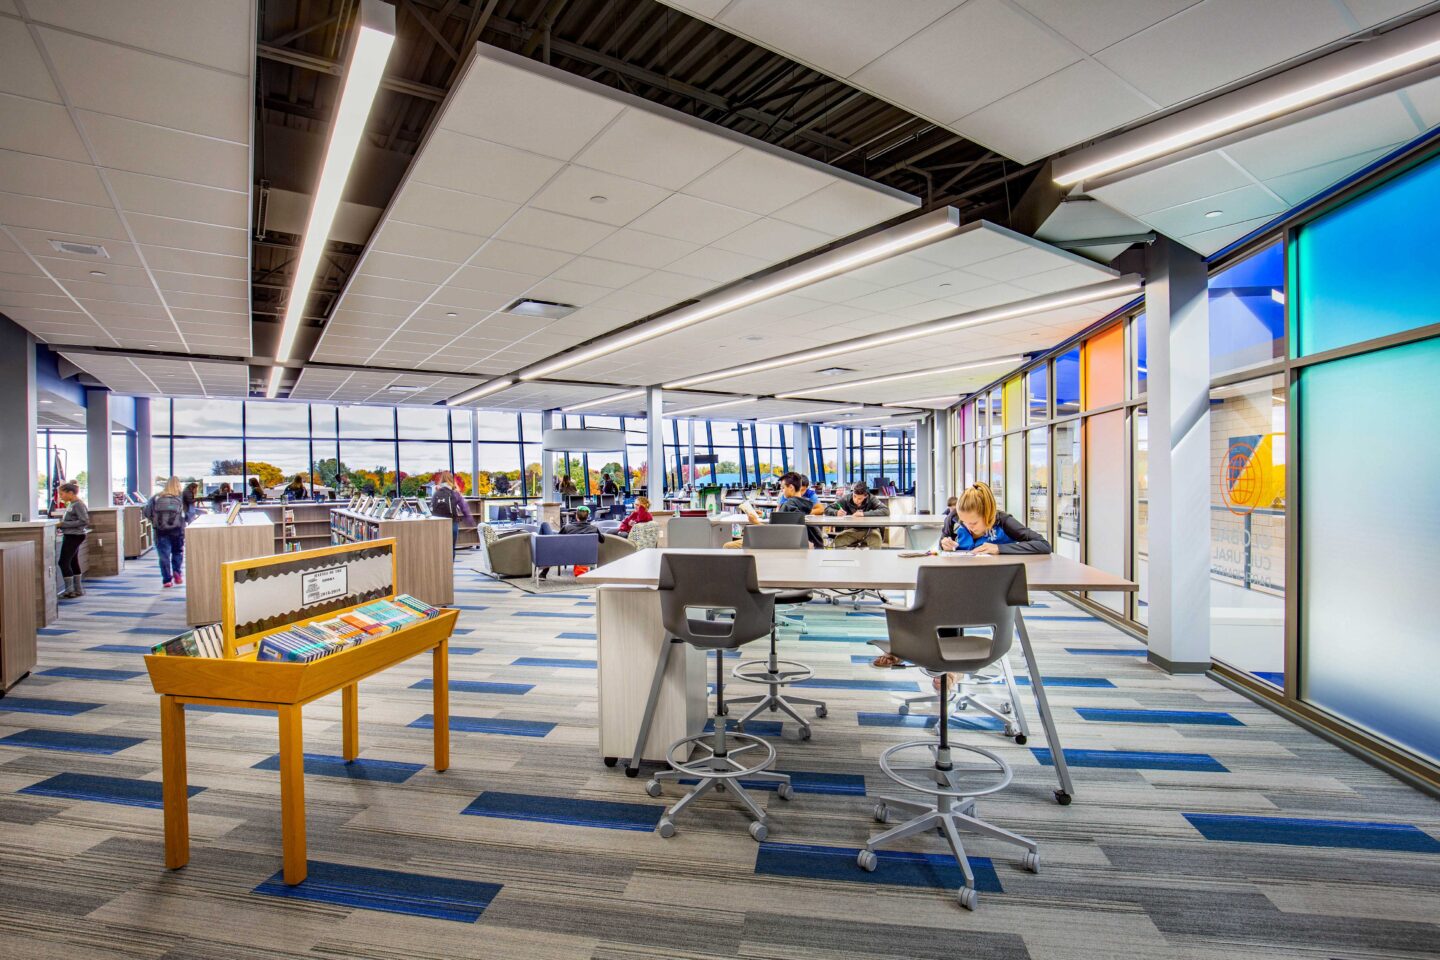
(688, 533)
(773, 672)
(694, 588)
(963, 620)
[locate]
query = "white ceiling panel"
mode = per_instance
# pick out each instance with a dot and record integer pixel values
(595, 198)
(162, 92)
(156, 376)
(377, 386)
(1027, 78)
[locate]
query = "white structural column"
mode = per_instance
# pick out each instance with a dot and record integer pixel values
(944, 486)
(97, 447)
(925, 463)
(142, 478)
(18, 411)
(655, 446)
(547, 459)
(690, 434)
(1178, 336)
(800, 451)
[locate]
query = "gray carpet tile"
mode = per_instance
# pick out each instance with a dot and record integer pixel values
(1124, 874)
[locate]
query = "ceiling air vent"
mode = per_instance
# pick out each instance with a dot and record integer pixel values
(834, 371)
(526, 307)
(79, 249)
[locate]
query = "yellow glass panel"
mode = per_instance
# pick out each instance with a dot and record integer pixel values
(1014, 401)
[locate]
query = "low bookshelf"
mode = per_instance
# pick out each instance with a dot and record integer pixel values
(269, 596)
(425, 543)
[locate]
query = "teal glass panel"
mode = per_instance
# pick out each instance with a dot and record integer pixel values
(1370, 542)
(1371, 267)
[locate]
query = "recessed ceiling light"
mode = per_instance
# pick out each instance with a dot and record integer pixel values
(1212, 214)
(527, 307)
(834, 371)
(97, 273)
(598, 199)
(452, 313)
(753, 338)
(405, 388)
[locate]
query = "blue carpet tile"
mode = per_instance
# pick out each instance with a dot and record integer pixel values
(826, 683)
(389, 891)
(1277, 679)
(466, 606)
(1093, 682)
(808, 781)
(758, 728)
(937, 870)
(132, 614)
(496, 725)
(155, 631)
(1104, 652)
(89, 673)
(575, 636)
(978, 722)
(1293, 832)
(466, 651)
(324, 765)
(1133, 760)
(210, 708)
(1204, 718)
(572, 812)
(52, 632)
(551, 613)
(120, 648)
(564, 596)
(70, 742)
(478, 686)
(59, 708)
(865, 613)
(121, 790)
(1061, 619)
(553, 662)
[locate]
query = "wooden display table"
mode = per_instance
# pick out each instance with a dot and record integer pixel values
(239, 680)
(17, 613)
(209, 543)
(41, 534)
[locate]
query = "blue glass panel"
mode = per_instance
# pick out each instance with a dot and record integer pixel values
(1067, 383)
(1247, 311)
(1382, 242)
(1370, 541)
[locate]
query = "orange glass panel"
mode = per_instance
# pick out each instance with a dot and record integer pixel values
(1105, 368)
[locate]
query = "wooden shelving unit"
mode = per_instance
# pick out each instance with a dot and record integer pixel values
(139, 535)
(424, 542)
(104, 550)
(41, 533)
(17, 612)
(300, 525)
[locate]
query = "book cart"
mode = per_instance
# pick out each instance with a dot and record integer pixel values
(265, 595)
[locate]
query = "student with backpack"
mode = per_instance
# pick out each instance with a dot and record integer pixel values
(446, 501)
(166, 513)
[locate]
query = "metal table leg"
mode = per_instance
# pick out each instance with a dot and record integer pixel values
(633, 767)
(1052, 738)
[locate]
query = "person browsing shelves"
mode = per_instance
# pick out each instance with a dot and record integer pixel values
(858, 502)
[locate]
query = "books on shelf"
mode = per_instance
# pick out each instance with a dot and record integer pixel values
(207, 640)
(320, 638)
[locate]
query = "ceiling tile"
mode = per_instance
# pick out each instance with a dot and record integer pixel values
(554, 231)
(1351, 130)
(204, 237)
(622, 200)
(843, 208)
(688, 218)
(773, 240)
(758, 182)
(432, 243)
(32, 126)
(122, 144)
(657, 150)
(1295, 188)
(39, 176)
(456, 210)
(450, 159)
(191, 261)
(719, 266)
(1095, 26)
(98, 223)
(602, 272)
(202, 31)
(183, 201)
(1207, 173)
(22, 69)
(380, 263)
(519, 258)
(504, 282)
(642, 249)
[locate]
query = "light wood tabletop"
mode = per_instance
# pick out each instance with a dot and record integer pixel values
(875, 569)
(896, 520)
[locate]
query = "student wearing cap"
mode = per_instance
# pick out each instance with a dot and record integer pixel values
(581, 524)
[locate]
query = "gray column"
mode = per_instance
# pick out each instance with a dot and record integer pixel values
(925, 463)
(142, 476)
(690, 434)
(655, 446)
(1178, 335)
(97, 447)
(800, 450)
(475, 452)
(18, 413)
(944, 486)
(547, 459)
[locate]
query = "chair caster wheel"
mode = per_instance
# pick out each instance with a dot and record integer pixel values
(773, 708)
(867, 860)
(969, 899)
(719, 786)
(785, 791)
(1021, 739)
(666, 828)
(653, 788)
(1004, 708)
(632, 772)
(1032, 862)
(758, 831)
(1062, 798)
(881, 813)
(962, 705)
(821, 712)
(804, 733)
(904, 710)
(611, 761)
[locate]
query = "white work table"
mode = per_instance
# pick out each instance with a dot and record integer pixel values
(639, 673)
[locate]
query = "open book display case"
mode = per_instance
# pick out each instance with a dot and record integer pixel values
(267, 595)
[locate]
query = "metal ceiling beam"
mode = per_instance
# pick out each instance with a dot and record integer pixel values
(431, 29)
(318, 64)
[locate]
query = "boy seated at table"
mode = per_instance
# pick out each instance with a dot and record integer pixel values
(981, 528)
(792, 500)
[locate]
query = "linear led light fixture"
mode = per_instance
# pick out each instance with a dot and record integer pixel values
(892, 378)
(1319, 83)
(711, 406)
(810, 414)
(604, 401)
(373, 42)
(1098, 291)
(949, 398)
(913, 233)
(484, 390)
(888, 418)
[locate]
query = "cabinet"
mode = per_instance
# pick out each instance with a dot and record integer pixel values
(424, 543)
(17, 612)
